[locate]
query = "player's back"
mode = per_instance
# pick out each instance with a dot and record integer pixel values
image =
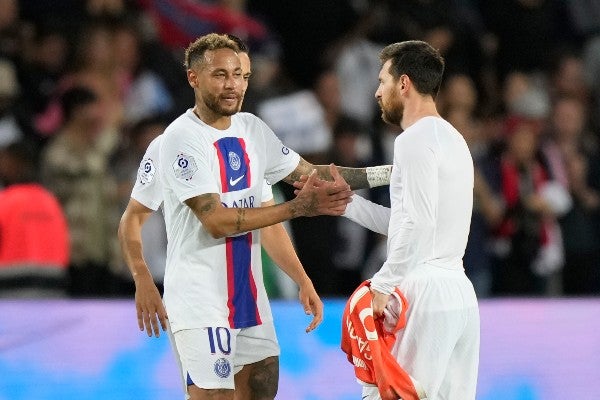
(455, 193)
(443, 170)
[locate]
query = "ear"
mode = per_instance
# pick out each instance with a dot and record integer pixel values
(403, 82)
(192, 78)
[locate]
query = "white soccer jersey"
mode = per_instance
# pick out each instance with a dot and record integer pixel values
(148, 188)
(212, 282)
(431, 193)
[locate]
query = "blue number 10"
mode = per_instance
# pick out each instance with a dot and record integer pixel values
(223, 337)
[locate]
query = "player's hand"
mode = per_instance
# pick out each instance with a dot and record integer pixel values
(312, 304)
(149, 306)
(319, 197)
(380, 300)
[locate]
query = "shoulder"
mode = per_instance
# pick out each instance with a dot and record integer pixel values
(153, 147)
(248, 118)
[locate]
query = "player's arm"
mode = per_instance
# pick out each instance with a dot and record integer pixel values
(367, 214)
(420, 200)
(357, 178)
(278, 245)
(150, 309)
(322, 199)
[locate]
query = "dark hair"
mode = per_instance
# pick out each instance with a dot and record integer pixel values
(76, 97)
(243, 48)
(212, 41)
(419, 61)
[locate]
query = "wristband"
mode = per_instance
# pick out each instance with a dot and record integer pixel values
(378, 176)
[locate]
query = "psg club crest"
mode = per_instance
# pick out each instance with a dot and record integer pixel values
(222, 368)
(184, 166)
(234, 161)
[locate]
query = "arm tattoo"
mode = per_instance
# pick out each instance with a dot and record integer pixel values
(206, 204)
(355, 177)
(264, 378)
(303, 168)
(241, 218)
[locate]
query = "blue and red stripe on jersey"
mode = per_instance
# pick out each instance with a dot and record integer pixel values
(234, 164)
(242, 294)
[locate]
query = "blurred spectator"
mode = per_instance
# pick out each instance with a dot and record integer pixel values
(75, 167)
(528, 246)
(143, 91)
(356, 61)
(94, 66)
(41, 74)
(572, 154)
(304, 120)
(34, 241)
(567, 77)
(527, 32)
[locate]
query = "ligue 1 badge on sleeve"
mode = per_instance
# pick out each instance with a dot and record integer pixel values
(184, 166)
(146, 171)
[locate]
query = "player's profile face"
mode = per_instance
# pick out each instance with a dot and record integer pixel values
(387, 95)
(246, 68)
(220, 82)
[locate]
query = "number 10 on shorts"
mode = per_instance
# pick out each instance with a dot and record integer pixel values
(219, 338)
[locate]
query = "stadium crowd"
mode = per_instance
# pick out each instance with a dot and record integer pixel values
(86, 85)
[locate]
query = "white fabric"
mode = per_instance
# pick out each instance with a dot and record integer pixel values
(196, 284)
(440, 344)
(431, 193)
(372, 216)
(212, 356)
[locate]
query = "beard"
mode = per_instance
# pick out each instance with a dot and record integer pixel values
(214, 104)
(392, 114)
(393, 111)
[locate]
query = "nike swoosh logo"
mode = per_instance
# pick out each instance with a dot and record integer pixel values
(364, 397)
(234, 182)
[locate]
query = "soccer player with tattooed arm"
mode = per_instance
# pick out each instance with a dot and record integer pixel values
(213, 164)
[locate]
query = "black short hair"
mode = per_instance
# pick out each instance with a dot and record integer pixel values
(243, 47)
(419, 61)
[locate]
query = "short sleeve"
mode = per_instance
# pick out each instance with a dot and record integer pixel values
(186, 165)
(148, 189)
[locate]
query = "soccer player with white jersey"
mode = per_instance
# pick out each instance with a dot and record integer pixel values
(213, 168)
(431, 192)
(146, 197)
